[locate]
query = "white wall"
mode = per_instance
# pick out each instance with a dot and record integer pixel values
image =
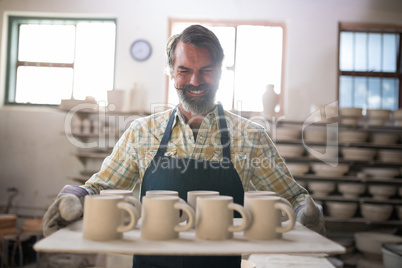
(37, 159)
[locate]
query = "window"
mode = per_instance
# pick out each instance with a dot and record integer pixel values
(253, 59)
(369, 66)
(50, 59)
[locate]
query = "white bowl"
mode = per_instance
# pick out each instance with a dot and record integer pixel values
(290, 150)
(376, 121)
(369, 243)
(321, 188)
(284, 133)
(298, 169)
(393, 156)
(381, 172)
(351, 190)
(384, 138)
(322, 152)
(392, 255)
(376, 212)
(382, 192)
(378, 113)
(397, 114)
(341, 210)
(315, 135)
(350, 121)
(348, 136)
(326, 170)
(359, 154)
(350, 111)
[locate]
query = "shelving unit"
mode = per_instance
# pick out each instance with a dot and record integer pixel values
(358, 222)
(104, 132)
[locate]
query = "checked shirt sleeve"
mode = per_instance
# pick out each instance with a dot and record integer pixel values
(271, 173)
(119, 170)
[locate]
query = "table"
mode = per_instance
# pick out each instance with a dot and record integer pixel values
(300, 240)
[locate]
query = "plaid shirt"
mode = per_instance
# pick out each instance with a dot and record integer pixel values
(253, 154)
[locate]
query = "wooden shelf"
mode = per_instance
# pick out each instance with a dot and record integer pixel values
(395, 181)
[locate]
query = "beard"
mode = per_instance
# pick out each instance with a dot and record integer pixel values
(199, 105)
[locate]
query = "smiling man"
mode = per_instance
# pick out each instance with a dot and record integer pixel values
(196, 146)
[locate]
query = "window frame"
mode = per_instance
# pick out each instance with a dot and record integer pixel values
(372, 28)
(234, 24)
(12, 63)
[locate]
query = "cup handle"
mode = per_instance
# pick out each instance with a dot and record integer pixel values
(286, 202)
(290, 214)
(134, 216)
(183, 216)
(189, 212)
(134, 201)
(244, 214)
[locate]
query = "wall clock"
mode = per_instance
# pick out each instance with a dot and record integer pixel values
(141, 50)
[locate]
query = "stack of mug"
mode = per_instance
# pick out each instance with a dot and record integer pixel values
(164, 215)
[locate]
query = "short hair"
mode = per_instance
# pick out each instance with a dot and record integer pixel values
(199, 36)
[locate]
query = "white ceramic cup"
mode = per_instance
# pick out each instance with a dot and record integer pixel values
(128, 197)
(104, 218)
(161, 192)
(149, 193)
(193, 195)
(284, 217)
(214, 217)
(160, 217)
(266, 217)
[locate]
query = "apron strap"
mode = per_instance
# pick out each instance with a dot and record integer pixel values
(166, 136)
(225, 140)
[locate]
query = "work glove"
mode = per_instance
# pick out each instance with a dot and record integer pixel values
(66, 209)
(311, 216)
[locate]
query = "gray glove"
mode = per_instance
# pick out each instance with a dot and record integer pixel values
(66, 209)
(311, 216)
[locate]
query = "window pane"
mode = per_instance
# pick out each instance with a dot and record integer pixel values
(360, 92)
(43, 85)
(226, 36)
(374, 91)
(390, 93)
(94, 64)
(46, 43)
(390, 44)
(225, 91)
(360, 57)
(375, 52)
(258, 63)
(346, 51)
(346, 91)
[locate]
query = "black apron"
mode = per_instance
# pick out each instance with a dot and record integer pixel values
(183, 175)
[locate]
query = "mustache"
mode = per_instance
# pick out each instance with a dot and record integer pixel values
(184, 88)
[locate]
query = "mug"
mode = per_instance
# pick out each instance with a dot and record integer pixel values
(104, 218)
(161, 192)
(193, 195)
(214, 217)
(266, 217)
(160, 217)
(183, 216)
(128, 197)
(284, 217)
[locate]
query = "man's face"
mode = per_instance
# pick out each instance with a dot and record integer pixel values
(196, 78)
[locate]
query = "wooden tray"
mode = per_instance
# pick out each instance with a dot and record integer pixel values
(300, 240)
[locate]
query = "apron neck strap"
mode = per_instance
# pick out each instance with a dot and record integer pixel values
(225, 140)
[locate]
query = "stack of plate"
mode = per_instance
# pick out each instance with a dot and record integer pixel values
(377, 117)
(350, 115)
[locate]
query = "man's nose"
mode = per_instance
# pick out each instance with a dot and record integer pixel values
(196, 79)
